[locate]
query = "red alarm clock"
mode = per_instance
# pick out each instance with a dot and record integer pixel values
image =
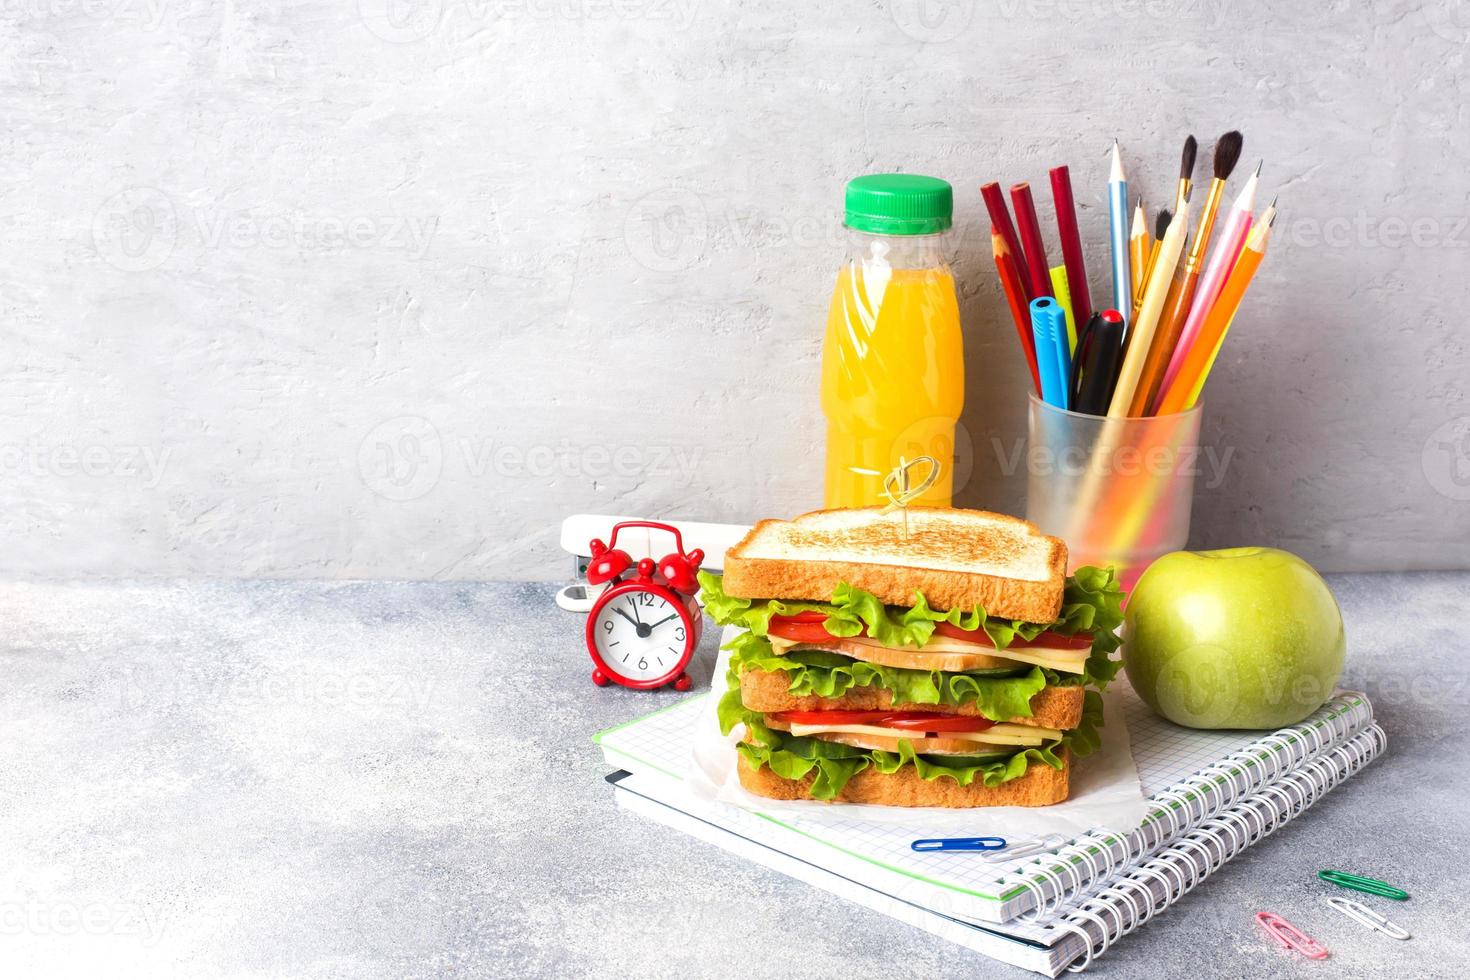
(643, 630)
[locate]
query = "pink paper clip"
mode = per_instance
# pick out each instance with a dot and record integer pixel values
(1289, 937)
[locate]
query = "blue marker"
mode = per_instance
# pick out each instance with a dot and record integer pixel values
(1053, 355)
(959, 844)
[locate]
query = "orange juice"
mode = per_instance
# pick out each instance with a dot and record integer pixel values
(893, 380)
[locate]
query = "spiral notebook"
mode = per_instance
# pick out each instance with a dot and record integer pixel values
(1212, 795)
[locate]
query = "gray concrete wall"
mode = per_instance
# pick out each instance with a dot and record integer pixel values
(387, 288)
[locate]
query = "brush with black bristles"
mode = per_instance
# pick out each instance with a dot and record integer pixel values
(1186, 171)
(1226, 155)
(1181, 295)
(1161, 227)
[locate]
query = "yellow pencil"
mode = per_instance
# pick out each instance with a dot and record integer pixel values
(1137, 251)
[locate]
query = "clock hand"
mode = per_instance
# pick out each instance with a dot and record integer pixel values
(635, 610)
(664, 620)
(619, 611)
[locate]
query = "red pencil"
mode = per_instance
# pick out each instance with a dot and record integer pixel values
(1010, 282)
(1000, 224)
(1038, 272)
(1061, 196)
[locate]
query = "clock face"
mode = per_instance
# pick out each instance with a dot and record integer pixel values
(641, 635)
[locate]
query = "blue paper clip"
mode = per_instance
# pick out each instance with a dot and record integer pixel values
(959, 844)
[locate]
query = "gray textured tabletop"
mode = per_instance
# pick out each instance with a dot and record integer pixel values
(328, 779)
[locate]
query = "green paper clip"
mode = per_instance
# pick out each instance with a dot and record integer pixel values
(1369, 886)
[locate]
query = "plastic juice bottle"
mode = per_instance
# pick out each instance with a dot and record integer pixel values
(893, 376)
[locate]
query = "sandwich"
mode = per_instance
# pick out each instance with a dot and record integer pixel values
(938, 657)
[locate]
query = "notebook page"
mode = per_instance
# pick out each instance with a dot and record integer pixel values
(969, 889)
(1048, 945)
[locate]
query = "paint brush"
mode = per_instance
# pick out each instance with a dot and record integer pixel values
(1181, 294)
(1186, 171)
(1217, 270)
(1161, 226)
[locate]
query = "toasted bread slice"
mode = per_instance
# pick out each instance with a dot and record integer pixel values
(959, 559)
(766, 691)
(1041, 786)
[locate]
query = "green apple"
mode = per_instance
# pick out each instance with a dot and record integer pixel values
(1238, 638)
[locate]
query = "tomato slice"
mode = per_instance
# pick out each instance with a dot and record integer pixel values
(802, 627)
(810, 616)
(799, 632)
(830, 717)
(906, 721)
(1054, 640)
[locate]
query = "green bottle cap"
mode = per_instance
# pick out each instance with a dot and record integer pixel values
(899, 204)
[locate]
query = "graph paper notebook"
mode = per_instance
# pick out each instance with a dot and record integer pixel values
(1212, 794)
(1073, 934)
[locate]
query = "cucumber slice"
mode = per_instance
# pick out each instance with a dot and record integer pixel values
(997, 671)
(973, 759)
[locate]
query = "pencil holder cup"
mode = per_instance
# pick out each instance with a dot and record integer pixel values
(1118, 491)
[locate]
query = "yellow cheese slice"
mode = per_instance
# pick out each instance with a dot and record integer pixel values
(943, 653)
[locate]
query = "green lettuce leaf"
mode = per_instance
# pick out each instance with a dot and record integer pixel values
(1092, 602)
(793, 757)
(834, 764)
(989, 773)
(730, 710)
(831, 675)
(1085, 739)
(753, 614)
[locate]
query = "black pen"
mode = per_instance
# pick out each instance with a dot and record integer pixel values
(1085, 338)
(1098, 364)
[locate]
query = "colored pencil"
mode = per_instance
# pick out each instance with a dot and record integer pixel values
(1222, 260)
(1166, 335)
(1138, 248)
(1000, 222)
(1142, 333)
(1015, 290)
(1066, 209)
(1185, 390)
(1036, 265)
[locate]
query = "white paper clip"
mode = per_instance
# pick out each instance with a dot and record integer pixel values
(1368, 917)
(1025, 849)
